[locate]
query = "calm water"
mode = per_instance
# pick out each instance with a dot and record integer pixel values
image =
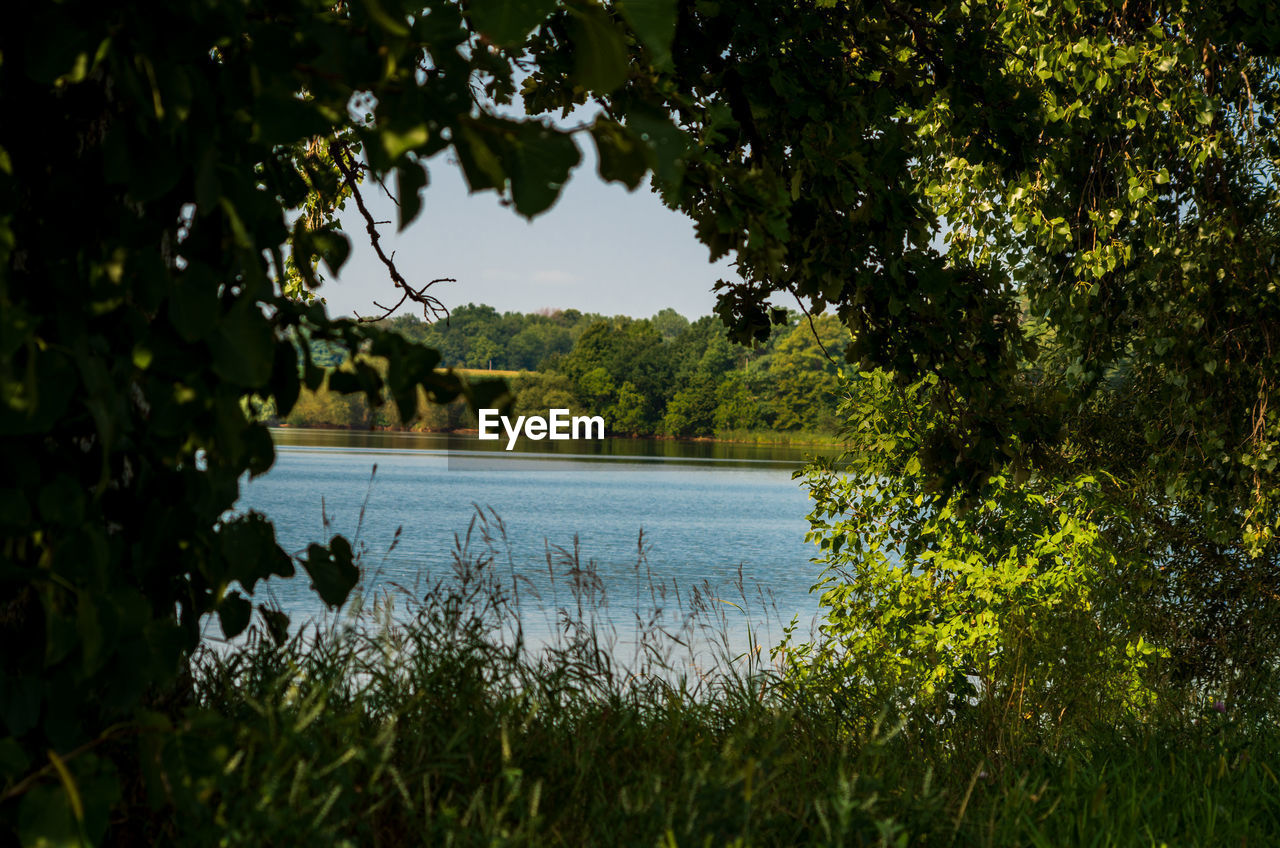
(726, 517)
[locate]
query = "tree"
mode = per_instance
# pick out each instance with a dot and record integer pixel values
(805, 373)
(164, 206)
(616, 353)
(1106, 176)
(743, 402)
(669, 323)
(539, 339)
(1082, 360)
(1052, 228)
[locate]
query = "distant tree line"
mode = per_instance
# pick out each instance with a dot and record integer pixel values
(662, 375)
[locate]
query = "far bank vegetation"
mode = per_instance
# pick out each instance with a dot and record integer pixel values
(660, 376)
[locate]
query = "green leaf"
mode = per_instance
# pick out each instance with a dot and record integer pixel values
(47, 819)
(75, 808)
(600, 50)
(397, 142)
(481, 166)
(440, 24)
(539, 163)
(243, 346)
(242, 237)
(285, 382)
(248, 544)
(487, 394)
(20, 700)
(234, 613)
(408, 366)
(283, 118)
(193, 305)
(14, 510)
(507, 22)
(666, 143)
(622, 157)
(654, 22)
(276, 622)
(259, 450)
(345, 382)
(13, 761)
(411, 178)
(333, 571)
(61, 501)
(392, 24)
(334, 248)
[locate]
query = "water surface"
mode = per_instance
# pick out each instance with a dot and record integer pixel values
(648, 517)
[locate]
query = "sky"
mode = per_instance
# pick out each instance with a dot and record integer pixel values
(599, 249)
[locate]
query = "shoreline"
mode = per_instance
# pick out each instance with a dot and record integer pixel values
(466, 431)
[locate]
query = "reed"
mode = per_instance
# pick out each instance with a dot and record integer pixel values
(428, 715)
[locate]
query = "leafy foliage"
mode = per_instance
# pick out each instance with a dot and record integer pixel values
(1109, 213)
(159, 244)
(442, 727)
(937, 175)
(681, 379)
(1088, 352)
(1055, 602)
(1011, 616)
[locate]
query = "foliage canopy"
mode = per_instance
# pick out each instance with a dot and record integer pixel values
(159, 243)
(1101, 309)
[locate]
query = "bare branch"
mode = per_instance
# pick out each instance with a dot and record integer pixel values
(432, 308)
(812, 328)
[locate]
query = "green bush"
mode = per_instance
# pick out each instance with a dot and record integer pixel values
(1049, 605)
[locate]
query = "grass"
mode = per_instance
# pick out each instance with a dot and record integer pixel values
(781, 437)
(429, 718)
(490, 372)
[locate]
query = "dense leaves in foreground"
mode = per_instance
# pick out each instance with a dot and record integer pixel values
(161, 237)
(1087, 361)
(1061, 212)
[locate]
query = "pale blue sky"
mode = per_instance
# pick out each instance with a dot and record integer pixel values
(599, 249)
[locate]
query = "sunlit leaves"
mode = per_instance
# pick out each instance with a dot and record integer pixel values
(1151, 183)
(1020, 591)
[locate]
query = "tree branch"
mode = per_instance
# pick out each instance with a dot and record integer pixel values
(432, 308)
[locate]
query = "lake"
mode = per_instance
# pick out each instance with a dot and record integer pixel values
(659, 524)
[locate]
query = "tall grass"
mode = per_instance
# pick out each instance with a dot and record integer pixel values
(805, 438)
(430, 717)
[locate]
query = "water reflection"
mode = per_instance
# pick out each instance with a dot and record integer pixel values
(466, 444)
(720, 523)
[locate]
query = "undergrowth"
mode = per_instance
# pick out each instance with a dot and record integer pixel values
(430, 718)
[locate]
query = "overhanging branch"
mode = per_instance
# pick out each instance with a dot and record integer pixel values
(432, 308)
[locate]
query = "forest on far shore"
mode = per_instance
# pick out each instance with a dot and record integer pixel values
(658, 376)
